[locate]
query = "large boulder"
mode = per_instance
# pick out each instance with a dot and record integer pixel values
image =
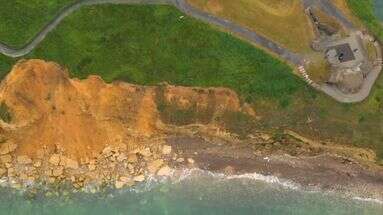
(139, 178)
(155, 165)
(164, 171)
(166, 149)
(55, 159)
(70, 164)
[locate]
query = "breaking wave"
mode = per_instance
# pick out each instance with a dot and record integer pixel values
(181, 175)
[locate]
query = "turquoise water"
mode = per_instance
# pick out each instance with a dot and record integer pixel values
(200, 194)
(379, 9)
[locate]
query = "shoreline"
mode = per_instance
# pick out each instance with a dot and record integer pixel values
(180, 175)
(323, 173)
(88, 134)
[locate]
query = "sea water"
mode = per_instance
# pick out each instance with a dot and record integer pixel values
(379, 9)
(194, 192)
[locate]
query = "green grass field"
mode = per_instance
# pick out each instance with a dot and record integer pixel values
(20, 20)
(151, 44)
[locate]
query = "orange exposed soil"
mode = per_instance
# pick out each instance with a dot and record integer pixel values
(54, 113)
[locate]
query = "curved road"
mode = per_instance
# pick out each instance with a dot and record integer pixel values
(66, 11)
(241, 31)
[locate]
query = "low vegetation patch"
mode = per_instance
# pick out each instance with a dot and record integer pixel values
(4, 113)
(238, 123)
(172, 113)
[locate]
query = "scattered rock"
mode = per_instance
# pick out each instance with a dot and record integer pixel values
(84, 161)
(139, 178)
(164, 171)
(58, 171)
(11, 172)
(191, 161)
(23, 176)
(92, 167)
(107, 150)
(2, 172)
(54, 159)
(23, 159)
(7, 148)
(265, 137)
(180, 160)
(145, 152)
(37, 164)
(6, 158)
(229, 170)
(124, 179)
(51, 180)
(132, 158)
(155, 165)
(166, 149)
(119, 184)
(70, 164)
(130, 167)
(121, 157)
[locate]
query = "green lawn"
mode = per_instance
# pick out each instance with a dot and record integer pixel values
(151, 44)
(20, 20)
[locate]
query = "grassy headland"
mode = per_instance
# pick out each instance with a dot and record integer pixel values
(151, 44)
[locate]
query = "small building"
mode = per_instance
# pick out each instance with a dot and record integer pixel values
(346, 53)
(340, 53)
(348, 60)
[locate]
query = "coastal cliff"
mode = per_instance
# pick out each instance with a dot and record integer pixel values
(55, 130)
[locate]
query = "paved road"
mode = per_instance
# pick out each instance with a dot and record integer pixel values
(330, 9)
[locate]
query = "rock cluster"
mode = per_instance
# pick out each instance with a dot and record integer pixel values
(115, 166)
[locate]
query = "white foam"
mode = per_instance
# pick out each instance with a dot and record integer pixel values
(268, 179)
(185, 174)
(378, 201)
(181, 175)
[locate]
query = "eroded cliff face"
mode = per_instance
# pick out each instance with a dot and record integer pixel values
(53, 113)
